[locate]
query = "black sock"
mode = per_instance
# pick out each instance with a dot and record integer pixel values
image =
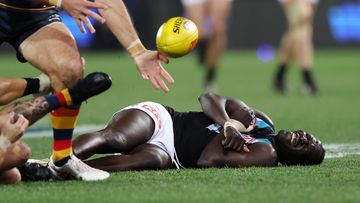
(281, 72)
(202, 47)
(62, 162)
(211, 75)
(308, 78)
(32, 86)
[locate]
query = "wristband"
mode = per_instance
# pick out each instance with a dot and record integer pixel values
(135, 48)
(56, 3)
(4, 143)
(237, 125)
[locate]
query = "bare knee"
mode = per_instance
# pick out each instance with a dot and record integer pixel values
(219, 32)
(72, 71)
(160, 159)
(11, 176)
(68, 72)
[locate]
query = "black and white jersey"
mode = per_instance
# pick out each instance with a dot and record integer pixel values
(192, 132)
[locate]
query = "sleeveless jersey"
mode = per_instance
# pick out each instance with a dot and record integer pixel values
(194, 130)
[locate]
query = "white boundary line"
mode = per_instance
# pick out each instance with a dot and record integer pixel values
(341, 150)
(336, 150)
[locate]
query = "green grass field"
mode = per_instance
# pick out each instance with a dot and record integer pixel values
(332, 116)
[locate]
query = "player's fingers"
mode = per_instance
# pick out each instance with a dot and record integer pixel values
(236, 146)
(145, 77)
(167, 76)
(231, 144)
(80, 25)
(94, 15)
(97, 5)
(239, 148)
(246, 149)
(11, 118)
(162, 84)
(163, 58)
(154, 83)
(89, 25)
(226, 141)
(240, 145)
(23, 122)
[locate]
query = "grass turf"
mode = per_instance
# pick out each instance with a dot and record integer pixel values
(332, 116)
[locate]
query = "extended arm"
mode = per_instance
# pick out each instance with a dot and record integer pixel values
(214, 155)
(147, 61)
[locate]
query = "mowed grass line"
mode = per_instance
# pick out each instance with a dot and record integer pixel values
(332, 116)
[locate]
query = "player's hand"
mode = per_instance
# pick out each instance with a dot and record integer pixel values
(80, 10)
(14, 127)
(233, 140)
(148, 64)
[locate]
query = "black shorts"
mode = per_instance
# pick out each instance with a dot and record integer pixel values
(17, 25)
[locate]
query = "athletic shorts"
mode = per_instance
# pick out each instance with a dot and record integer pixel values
(17, 25)
(314, 2)
(163, 135)
(194, 2)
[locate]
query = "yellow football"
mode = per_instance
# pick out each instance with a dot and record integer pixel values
(177, 37)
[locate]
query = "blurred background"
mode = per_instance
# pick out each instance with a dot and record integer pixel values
(252, 23)
(246, 70)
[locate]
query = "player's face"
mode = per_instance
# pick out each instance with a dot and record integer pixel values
(299, 147)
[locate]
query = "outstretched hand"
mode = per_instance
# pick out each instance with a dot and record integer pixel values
(14, 127)
(148, 64)
(80, 10)
(233, 139)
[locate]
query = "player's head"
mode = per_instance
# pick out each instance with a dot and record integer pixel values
(299, 148)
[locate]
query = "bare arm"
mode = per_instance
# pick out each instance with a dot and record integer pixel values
(147, 61)
(214, 155)
(221, 109)
(119, 21)
(234, 115)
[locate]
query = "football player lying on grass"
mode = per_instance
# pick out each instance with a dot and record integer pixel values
(13, 152)
(227, 133)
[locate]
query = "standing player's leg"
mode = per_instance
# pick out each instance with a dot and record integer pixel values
(52, 49)
(196, 10)
(304, 45)
(286, 55)
(286, 51)
(219, 13)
